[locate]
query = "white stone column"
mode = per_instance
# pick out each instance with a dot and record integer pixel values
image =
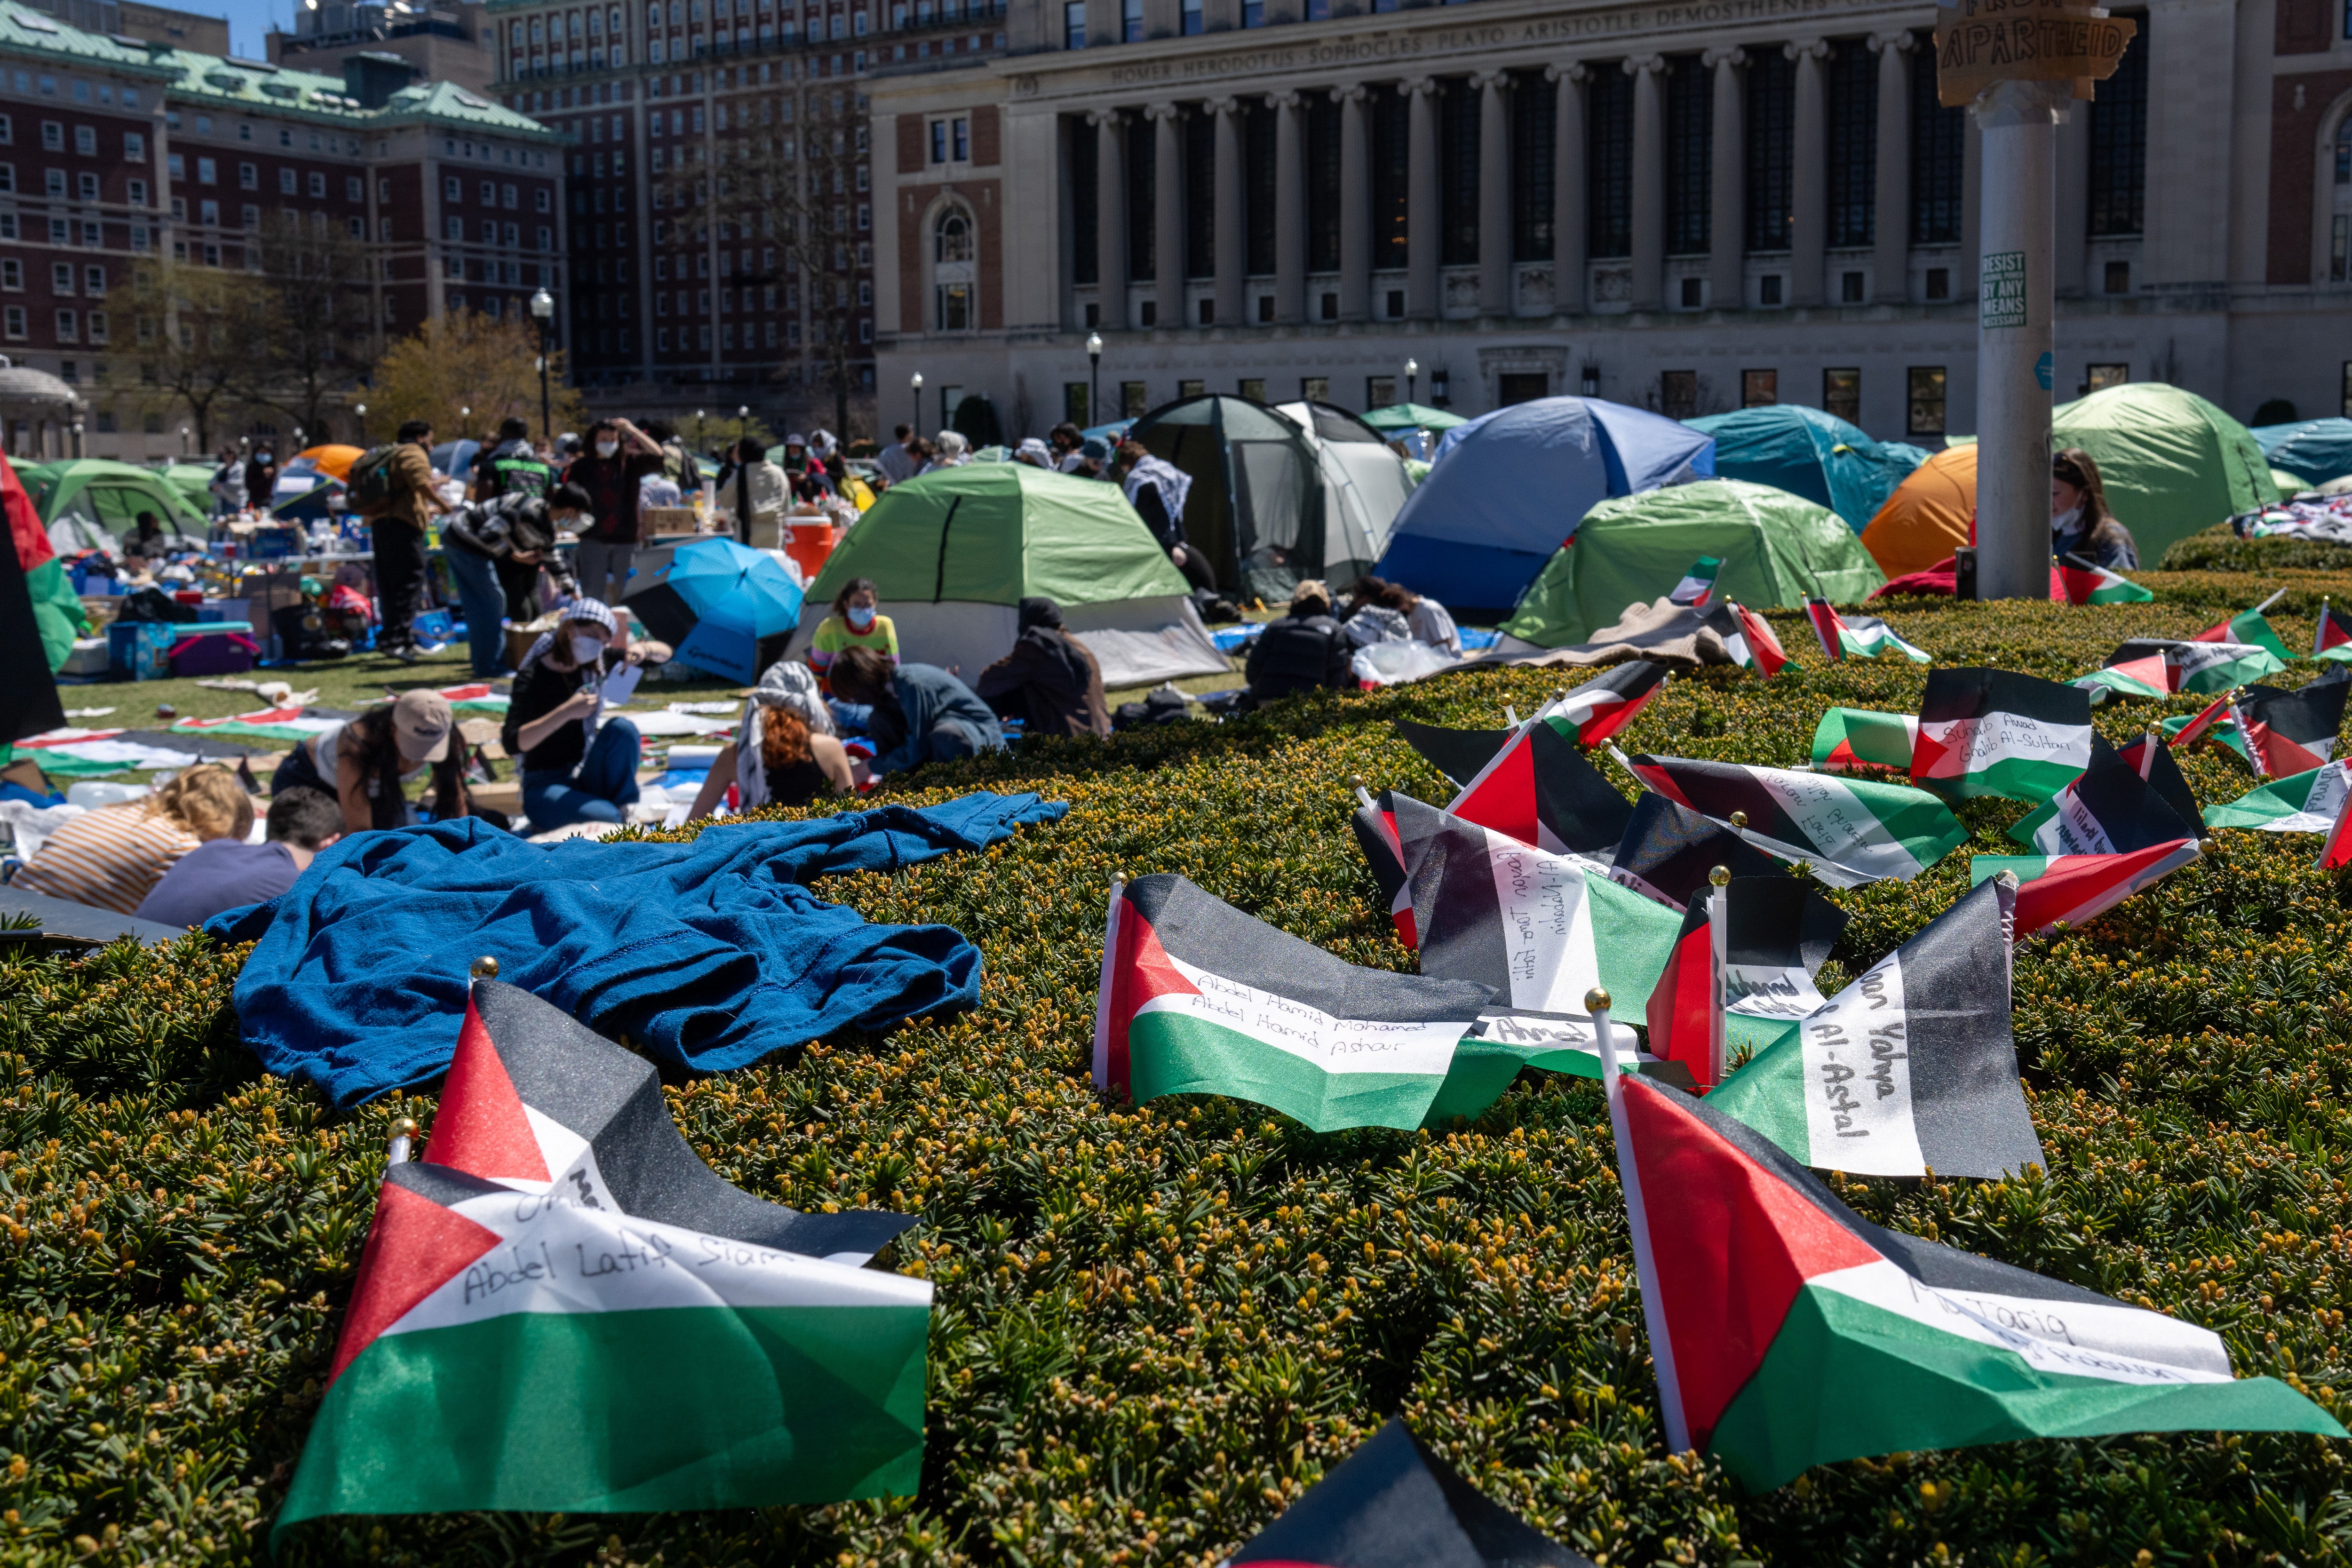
(1111, 217)
(1232, 238)
(1289, 209)
(1727, 221)
(1649, 182)
(1494, 193)
(1808, 182)
(2014, 337)
(1891, 196)
(1569, 238)
(1422, 238)
(1355, 203)
(1168, 215)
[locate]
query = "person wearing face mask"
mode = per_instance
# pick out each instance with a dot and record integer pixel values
(618, 457)
(260, 478)
(855, 623)
(2080, 522)
(569, 775)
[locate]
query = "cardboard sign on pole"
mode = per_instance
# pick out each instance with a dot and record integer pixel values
(1981, 42)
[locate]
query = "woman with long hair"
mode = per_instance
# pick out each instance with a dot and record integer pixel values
(367, 763)
(784, 752)
(111, 859)
(2080, 522)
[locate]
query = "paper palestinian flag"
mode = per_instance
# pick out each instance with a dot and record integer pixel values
(2215, 721)
(2288, 732)
(1851, 831)
(1910, 1067)
(1540, 790)
(2079, 887)
(1859, 741)
(2144, 676)
(1376, 834)
(1788, 1332)
(2333, 638)
(2110, 810)
(1199, 998)
(532, 1340)
(2306, 802)
(40, 615)
(1668, 849)
(1459, 754)
(1996, 732)
(2088, 583)
(1858, 636)
(1747, 637)
(2196, 666)
(2252, 629)
(1394, 1504)
(1601, 706)
(1742, 972)
(2151, 759)
(2335, 853)
(1540, 929)
(1698, 586)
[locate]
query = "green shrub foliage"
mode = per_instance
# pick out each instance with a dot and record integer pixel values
(1156, 1327)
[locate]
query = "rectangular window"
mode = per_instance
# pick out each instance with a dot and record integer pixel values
(1926, 397)
(1842, 395)
(1458, 124)
(1772, 144)
(938, 141)
(1322, 116)
(93, 282)
(208, 214)
(86, 186)
(1131, 20)
(1690, 154)
(1192, 15)
(1132, 402)
(1535, 117)
(1609, 141)
(61, 278)
(69, 327)
(1390, 112)
(1200, 146)
(1854, 143)
(134, 147)
(12, 274)
(2099, 377)
(1074, 24)
(1315, 388)
(962, 141)
(136, 193)
(2345, 406)
(1379, 390)
(13, 322)
(1085, 256)
(97, 329)
(207, 172)
(1939, 140)
(1142, 203)
(1678, 393)
(176, 166)
(2119, 146)
(248, 178)
(1075, 408)
(86, 140)
(1758, 388)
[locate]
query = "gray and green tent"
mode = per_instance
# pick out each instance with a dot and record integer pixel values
(1776, 548)
(953, 554)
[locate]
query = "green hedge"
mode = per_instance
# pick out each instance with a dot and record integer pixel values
(2218, 549)
(1156, 1327)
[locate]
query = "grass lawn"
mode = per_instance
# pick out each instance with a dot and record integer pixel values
(1155, 1327)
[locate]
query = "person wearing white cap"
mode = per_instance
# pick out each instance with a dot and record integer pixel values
(1033, 452)
(367, 762)
(954, 448)
(573, 769)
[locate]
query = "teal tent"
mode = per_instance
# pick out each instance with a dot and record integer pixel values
(1810, 454)
(1776, 548)
(2314, 450)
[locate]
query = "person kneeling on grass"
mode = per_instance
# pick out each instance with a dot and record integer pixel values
(920, 712)
(784, 752)
(366, 763)
(567, 776)
(230, 873)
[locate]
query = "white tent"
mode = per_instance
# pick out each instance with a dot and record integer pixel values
(1364, 485)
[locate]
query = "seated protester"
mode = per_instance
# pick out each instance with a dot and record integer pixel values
(151, 541)
(856, 621)
(367, 762)
(920, 712)
(230, 873)
(111, 859)
(784, 752)
(1303, 650)
(496, 546)
(1155, 488)
(1426, 619)
(1050, 681)
(567, 776)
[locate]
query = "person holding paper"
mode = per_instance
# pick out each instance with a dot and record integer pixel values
(573, 770)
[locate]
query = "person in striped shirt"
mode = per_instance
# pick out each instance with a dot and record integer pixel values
(112, 857)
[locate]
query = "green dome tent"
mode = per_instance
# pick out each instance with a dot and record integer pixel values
(1776, 548)
(953, 554)
(94, 492)
(2171, 462)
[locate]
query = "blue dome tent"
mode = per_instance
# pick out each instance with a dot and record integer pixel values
(2317, 450)
(1810, 454)
(1507, 487)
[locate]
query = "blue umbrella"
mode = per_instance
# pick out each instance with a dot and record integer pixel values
(715, 601)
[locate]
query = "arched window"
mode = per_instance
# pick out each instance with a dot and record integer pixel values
(951, 272)
(954, 238)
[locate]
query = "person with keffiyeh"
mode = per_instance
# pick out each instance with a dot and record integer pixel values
(1155, 488)
(785, 751)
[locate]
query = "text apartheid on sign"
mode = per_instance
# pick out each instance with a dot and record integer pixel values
(1981, 42)
(2001, 289)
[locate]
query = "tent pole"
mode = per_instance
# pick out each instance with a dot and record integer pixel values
(2014, 336)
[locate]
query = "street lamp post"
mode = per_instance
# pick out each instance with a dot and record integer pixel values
(742, 423)
(464, 421)
(1411, 378)
(542, 310)
(1094, 377)
(914, 386)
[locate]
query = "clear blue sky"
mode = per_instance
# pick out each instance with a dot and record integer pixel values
(248, 19)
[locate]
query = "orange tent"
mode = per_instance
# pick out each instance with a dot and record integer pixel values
(1929, 516)
(334, 461)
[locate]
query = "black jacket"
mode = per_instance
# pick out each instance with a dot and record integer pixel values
(1299, 653)
(516, 521)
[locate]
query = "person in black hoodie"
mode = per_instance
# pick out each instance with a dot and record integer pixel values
(1303, 650)
(1049, 681)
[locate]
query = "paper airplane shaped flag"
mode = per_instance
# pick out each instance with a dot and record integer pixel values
(2085, 582)
(2283, 733)
(1394, 1504)
(1540, 790)
(1788, 1332)
(1459, 754)
(1910, 1067)
(1747, 637)
(1607, 703)
(2194, 665)
(2152, 759)
(2078, 887)
(2145, 676)
(2333, 639)
(1850, 830)
(2110, 810)
(1858, 636)
(1698, 586)
(2306, 802)
(1668, 849)
(1858, 740)
(2252, 629)
(1742, 972)
(1996, 732)
(534, 1342)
